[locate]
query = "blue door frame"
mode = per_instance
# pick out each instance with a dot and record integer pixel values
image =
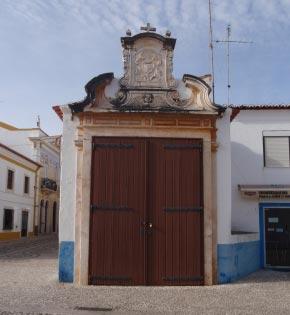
(262, 206)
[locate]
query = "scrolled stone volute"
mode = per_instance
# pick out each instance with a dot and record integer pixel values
(148, 83)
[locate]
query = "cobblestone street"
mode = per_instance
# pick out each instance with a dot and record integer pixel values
(28, 285)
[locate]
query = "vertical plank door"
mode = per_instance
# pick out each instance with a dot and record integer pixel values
(175, 236)
(118, 197)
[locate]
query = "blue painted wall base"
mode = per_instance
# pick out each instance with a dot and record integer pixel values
(66, 261)
(237, 260)
(234, 260)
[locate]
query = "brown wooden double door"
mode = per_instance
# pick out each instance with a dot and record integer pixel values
(146, 212)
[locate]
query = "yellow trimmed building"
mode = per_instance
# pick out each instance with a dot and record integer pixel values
(38, 146)
(18, 176)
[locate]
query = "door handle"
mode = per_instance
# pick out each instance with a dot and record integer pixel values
(150, 228)
(146, 227)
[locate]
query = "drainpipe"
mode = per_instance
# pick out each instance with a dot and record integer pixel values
(35, 198)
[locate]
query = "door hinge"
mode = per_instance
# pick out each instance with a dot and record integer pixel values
(184, 209)
(112, 146)
(174, 146)
(110, 207)
(189, 278)
(94, 279)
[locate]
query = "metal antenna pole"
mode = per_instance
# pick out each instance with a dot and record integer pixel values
(38, 121)
(211, 48)
(228, 42)
(228, 59)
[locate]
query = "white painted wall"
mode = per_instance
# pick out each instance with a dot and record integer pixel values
(247, 162)
(18, 140)
(232, 211)
(68, 178)
(16, 199)
(223, 182)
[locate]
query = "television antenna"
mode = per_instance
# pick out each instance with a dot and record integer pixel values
(211, 48)
(38, 121)
(228, 41)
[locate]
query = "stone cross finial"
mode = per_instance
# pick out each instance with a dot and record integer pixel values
(148, 28)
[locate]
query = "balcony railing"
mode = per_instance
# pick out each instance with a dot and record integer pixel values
(47, 183)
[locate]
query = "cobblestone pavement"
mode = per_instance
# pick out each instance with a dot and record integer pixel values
(28, 285)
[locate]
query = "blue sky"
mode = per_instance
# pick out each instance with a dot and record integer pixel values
(49, 49)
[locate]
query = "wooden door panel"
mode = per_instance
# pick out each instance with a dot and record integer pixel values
(136, 182)
(175, 244)
(118, 197)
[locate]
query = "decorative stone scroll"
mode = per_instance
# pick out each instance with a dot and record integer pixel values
(148, 83)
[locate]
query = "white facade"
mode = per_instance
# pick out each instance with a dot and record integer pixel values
(223, 178)
(38, 146)
(247, 131)
(16, 199)
(68, 178)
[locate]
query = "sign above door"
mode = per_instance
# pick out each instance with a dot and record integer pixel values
(265, 191)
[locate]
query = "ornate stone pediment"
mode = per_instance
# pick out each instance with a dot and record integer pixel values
(147, 64)
(148, 83)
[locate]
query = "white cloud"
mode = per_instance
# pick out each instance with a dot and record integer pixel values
(56, 45)
(246, 16)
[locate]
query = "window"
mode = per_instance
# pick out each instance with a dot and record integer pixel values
(10, 179)
(8, 219)
(26, 184)
(276, 151)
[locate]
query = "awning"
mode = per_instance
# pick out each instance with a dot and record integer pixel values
(265, 191)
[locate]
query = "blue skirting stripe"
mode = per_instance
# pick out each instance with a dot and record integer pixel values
(66, 261)
(237, 260)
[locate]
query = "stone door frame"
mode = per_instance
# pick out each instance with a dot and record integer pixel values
(159, 125)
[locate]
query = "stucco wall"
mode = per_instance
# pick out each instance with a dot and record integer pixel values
(68, 179)
(18, 140)
(16, 199)
(239, 254)
(248, 165)
(67, 207)
(223, 182)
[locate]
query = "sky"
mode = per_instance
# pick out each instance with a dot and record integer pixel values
(49, 49)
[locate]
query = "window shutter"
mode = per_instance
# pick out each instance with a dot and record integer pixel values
(8, 219)
(276, 151)
(10, 179)
(26, 184)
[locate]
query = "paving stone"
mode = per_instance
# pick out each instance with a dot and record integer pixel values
(28, 285)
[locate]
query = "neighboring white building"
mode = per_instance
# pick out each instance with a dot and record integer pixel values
(18, 175)
(41, 148)
(260, 167)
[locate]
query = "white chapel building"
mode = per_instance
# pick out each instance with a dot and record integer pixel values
(159, 186)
